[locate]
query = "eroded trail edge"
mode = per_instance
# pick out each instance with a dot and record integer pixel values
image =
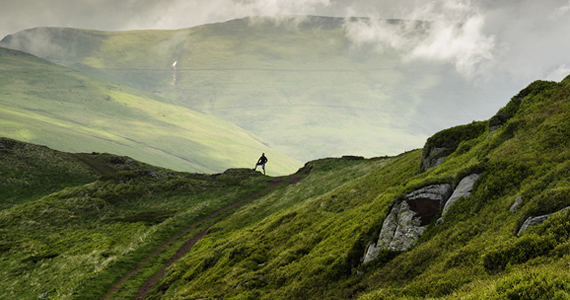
(145, 288)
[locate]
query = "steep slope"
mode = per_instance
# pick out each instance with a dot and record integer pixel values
(313, 249)
(56, 106)
(308, 240)
(304, 88)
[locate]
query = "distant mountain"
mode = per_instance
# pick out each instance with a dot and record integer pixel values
(48, 104)
(304, 88)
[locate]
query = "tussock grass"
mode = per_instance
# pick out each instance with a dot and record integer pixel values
(311, 248)
(29, 172)
(79, 241)
(306, 240)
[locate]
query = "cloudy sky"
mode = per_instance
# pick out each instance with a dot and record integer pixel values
(516, 41)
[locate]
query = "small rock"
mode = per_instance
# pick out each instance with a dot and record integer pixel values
(517, 202)
(531, 222)
(43, 295)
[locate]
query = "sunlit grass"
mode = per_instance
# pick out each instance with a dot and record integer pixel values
(51, 105)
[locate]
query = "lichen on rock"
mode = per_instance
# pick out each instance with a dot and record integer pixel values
(408, 219)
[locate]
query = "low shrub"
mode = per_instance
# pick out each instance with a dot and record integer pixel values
(532, 286)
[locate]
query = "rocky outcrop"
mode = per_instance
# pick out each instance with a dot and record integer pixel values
(445, 142)
(463, 190)
(432, 158)
(408, 219)
(533, 221)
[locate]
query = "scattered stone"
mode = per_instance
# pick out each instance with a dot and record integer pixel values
(518, 201)
(43, 295)
(533, 221)
(2, 146)
(494, 128)
(153, 174)
(463, 190)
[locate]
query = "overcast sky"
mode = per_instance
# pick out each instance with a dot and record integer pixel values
(522, 40)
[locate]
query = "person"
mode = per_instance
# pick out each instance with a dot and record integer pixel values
(261, 162)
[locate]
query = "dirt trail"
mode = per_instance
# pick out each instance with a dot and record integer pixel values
(145, 288)
(103, 166)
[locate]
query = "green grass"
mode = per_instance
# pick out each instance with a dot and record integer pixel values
(312, 249)
(306, 240)
(79, 241)
(29, 172)
(69, 111)
(307, 92)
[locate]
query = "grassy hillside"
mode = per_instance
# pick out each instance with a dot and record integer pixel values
(29, 172)
(47, 104)
(303, 236)
(306, 89)
(77, 243)
(312, 249)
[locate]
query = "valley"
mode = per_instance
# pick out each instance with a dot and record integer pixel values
(306, 89)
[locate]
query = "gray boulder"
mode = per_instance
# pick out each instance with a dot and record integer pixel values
(463, 190)
(518, 201)
(408, 219)
(533, 221)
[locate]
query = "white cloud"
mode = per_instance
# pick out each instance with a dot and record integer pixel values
(182, 13)
(559, 73)
(452, 31)
(561, 11)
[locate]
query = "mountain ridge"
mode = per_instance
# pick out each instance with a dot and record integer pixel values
(278, 81)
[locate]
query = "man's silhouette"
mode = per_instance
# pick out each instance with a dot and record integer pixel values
(261, 162)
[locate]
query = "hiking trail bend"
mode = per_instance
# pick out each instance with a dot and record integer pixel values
(146, 287)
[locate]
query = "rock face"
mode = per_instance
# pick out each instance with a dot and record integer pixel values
(462, 190)
(408, 219)
(432, 158)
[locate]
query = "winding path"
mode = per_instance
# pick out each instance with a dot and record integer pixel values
(145, 288)
(103, 166)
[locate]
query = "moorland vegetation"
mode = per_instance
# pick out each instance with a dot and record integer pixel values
(303, 236)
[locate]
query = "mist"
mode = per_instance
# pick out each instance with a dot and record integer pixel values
(509, 41)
